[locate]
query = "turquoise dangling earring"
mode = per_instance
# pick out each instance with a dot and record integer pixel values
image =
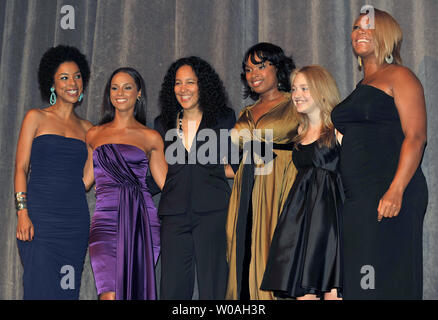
(81, 97)
(52, 96)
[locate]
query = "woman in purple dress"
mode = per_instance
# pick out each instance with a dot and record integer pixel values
(124, 239)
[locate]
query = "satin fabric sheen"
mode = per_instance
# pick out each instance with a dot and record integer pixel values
(124, 238)
(265, 194)
(305, 254)
(58, 209)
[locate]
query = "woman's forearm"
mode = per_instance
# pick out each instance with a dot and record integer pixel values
(20, 185)
(20, 179)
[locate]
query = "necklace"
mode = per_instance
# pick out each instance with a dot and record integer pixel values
(179, 130)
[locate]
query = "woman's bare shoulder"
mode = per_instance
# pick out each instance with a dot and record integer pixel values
(34, 118)
(36, 113)
(152, 138)
(399, 73)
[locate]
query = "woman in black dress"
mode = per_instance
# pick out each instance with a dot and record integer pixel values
(305, 255)
(194, 200)
(383, 123)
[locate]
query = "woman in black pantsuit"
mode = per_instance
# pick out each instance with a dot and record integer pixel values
(194, 201)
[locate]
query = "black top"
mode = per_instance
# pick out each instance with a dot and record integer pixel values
(192, 184)
(373, 136)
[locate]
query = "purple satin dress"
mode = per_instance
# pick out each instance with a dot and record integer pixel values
(125, 230)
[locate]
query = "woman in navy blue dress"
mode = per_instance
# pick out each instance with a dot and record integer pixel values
(52, 171)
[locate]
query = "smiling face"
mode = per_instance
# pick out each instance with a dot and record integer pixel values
(123, 91)
(362, 37)
(261, 76)
(68, 82)
(186, 88)
(302, 97)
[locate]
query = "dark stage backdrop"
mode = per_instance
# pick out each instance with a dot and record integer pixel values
(149, 34)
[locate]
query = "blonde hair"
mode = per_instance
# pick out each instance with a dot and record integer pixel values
(325, 93)
(388, 37)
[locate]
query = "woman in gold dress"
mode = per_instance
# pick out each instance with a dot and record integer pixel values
(260, 187)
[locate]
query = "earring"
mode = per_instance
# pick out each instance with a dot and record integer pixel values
(359, 60)
(52, 96)
(389, 58)
(81, 97)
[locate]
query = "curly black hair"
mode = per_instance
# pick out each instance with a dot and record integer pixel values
(268, 52)
(108, 110)
(51, 61)
(213, 100)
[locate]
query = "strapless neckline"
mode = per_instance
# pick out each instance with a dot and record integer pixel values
(46, 135)
(120, 144)
(376, 89)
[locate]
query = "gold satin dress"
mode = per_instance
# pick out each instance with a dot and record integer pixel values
(268, 194)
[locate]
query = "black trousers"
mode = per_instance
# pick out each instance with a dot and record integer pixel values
(188, 241)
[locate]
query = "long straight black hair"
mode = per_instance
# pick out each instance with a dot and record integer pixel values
(108, 110)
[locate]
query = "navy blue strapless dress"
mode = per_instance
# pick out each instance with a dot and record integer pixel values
(53, 261)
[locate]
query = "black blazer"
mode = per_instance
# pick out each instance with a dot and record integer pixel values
(200, 187)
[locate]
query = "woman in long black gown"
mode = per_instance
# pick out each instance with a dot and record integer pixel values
(383, 123)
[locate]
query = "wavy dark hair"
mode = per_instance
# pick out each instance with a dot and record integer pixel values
(268, 52)
(212, 96)
(51, 61)
(108, 110)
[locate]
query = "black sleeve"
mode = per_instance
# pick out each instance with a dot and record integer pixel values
(152, 186)
(158, 125)
(230, 121)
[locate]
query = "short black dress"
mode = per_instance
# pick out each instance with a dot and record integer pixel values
(305, 254)
(383, 260)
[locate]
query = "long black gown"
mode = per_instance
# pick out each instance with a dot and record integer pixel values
(305, 256)
(383, 260)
